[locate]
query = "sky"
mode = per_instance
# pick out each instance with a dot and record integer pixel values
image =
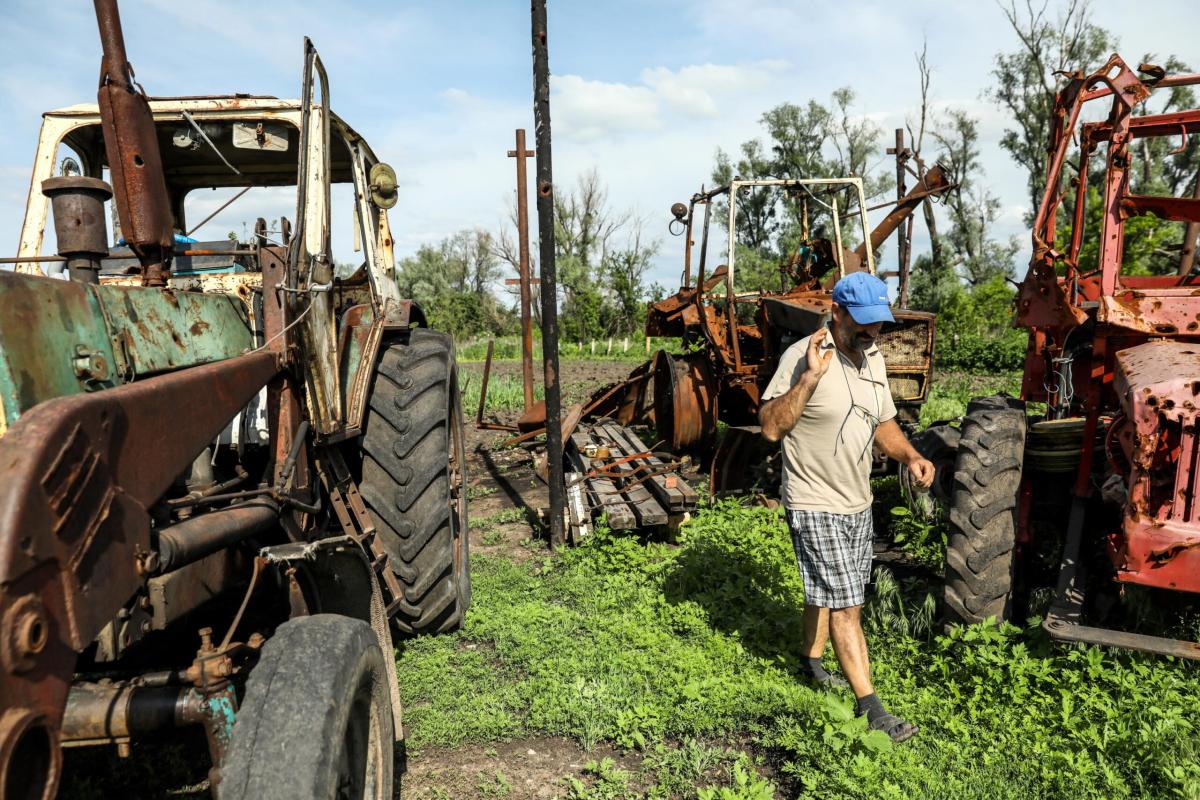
(643, 92)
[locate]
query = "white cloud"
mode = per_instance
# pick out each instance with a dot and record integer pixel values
(588, 110)
(694, 90)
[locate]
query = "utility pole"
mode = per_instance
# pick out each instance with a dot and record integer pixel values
(520, 154)
(549, 277)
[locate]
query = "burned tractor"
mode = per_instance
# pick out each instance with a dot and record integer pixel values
(1101, 492)
(734, 339)
(229, 470)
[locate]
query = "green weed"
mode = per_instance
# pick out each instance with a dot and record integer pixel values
(493, 785)
(949, 392)
(639, 644)
(509, 348)
(609, 782)
(477, 491)
(505, 392)
(744, 784)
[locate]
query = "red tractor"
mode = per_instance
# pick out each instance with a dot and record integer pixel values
(1115, 357)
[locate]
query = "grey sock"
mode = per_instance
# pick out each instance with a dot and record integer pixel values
(816, 668)
(870, 705)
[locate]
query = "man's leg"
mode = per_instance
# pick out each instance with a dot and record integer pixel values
(816, 630)
(816, 636)
(845, 626)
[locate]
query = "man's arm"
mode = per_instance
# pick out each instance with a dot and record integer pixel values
(778, 416)
(895, 444)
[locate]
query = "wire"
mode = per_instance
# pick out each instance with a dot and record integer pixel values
(311, 290)
(204, 136)
(237, 619)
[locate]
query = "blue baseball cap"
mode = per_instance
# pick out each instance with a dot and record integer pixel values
(865, 297)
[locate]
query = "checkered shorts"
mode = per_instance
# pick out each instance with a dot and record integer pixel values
(834, 553)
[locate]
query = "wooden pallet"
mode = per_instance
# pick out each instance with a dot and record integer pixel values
(631, 500)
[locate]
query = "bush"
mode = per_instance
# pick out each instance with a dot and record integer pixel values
(974, 352)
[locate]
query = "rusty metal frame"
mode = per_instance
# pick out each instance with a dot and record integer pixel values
(80, 474)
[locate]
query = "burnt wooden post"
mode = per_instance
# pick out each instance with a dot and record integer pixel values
(549, 276)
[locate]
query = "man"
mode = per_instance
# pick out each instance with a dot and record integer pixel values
(829, 402)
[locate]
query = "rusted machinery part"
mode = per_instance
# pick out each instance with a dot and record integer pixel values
(685, 394)
(202, 535)
(97, 713)
(743, 462)
(934, 183)
(77, 475)
(131, 144)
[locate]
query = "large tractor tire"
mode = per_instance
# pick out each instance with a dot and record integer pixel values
(413, 479)
(316, 721)
(987, 478)
(939, 445)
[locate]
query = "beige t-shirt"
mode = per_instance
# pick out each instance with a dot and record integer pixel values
(827, 456)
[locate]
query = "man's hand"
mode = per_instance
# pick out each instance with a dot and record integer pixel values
(817, 363)
(922, 471)
(779, 416)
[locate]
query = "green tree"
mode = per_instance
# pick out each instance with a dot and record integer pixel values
(1029, 77)
(813, 140)
(453, 282)
(978, 258)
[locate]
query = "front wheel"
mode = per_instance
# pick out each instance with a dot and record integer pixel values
(413, 480)
(316, 721)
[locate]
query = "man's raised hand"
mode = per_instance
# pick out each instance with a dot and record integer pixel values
(818, 363)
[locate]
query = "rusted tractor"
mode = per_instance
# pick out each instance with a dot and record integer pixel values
(1101, 492)
(734, 339)
(228, 469)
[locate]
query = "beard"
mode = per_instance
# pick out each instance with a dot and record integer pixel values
(862, 341)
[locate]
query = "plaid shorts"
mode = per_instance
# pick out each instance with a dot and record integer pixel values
(834, 554)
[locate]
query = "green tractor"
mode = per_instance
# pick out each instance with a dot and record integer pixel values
(229, 470)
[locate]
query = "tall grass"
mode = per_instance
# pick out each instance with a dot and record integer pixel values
(509, 347)
(505, 392)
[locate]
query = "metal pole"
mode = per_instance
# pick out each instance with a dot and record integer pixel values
(520, 154)
(1187, 256)
(901, 154)
(549, 280)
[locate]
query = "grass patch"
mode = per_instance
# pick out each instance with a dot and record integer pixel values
(643, 644)
(949, 392)
(509, 347)
(505, 392)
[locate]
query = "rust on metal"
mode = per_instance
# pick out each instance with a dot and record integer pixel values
(139, 185)
(78, 475)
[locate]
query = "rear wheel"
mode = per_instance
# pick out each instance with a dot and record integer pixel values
(987, 480)
(412, 479)
(316, 721)
(939, 445)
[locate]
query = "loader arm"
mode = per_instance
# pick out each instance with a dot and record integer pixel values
(78, 475)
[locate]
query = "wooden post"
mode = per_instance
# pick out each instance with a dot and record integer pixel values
(520, 154)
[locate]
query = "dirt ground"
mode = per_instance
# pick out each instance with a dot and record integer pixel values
(499, 479)
(536, 767)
